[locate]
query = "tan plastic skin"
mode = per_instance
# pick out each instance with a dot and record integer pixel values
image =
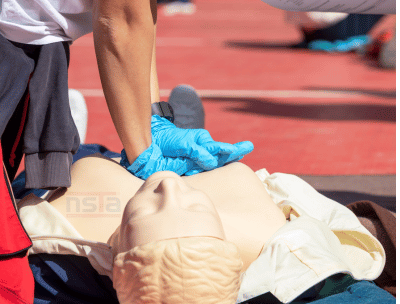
(227, 203)
(166, 207)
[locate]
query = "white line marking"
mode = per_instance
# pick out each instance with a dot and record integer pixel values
(91, 92)
(247, 93)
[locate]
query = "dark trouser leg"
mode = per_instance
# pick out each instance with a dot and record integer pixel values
(12, 139)
(15, 70)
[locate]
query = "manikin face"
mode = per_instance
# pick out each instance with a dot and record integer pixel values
(166, 207)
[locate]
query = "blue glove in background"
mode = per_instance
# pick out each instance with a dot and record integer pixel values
(152, 160)
(241, 149)
(195, 144)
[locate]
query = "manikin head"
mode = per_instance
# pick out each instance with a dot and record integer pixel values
(171, 247)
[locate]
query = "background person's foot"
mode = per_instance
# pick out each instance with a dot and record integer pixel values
(387, 56)
(187, 106)
(187, 8)
(171, 9)
(79, 112)
(179, 7)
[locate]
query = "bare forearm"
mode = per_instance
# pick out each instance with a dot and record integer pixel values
(154, 88)
(124, 35)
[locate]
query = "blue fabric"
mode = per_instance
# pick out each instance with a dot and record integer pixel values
(350, 44)
(18, 185)
(337, 289)
(362, 292)
(343, 36)
(352, 25)
(89, 149)
(68, 279)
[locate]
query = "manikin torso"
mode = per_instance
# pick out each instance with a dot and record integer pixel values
(247, 213)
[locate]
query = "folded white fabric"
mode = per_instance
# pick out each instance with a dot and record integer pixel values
(321, 238)
(52, 233)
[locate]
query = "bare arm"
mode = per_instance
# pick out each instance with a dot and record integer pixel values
(124, 33)
(155, 90)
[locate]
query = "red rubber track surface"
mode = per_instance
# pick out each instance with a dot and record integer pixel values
(301, 127)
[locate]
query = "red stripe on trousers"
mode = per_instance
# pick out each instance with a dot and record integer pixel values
(21, 127)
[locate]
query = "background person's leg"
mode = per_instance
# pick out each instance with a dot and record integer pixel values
(347, 35)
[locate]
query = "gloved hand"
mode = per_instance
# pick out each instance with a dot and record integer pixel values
(152, 160)
(195, 144)
(242, 148)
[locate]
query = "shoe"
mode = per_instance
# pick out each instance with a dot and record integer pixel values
(171, 9)
(387, 56)
(382, 50)
(187, 106)
(179, 7)
(79, 112)
(187, 8)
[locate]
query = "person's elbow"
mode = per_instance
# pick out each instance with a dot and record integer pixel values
(115, 21)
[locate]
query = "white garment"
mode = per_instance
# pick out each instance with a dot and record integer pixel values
(79, 112)
(345, 6)
(314, 20)
(321, 238)
(45, 21)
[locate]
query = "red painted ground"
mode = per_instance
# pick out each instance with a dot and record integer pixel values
(323, 136)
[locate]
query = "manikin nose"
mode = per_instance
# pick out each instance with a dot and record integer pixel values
(169, 184)
(171, 190)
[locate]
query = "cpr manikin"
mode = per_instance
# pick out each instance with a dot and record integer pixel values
(180, 240)
(171, 247)
(278, 234)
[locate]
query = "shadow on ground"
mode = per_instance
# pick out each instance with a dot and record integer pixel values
(266, 45)
(344, 111)
(361, 91)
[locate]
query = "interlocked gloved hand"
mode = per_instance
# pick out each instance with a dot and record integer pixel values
(195, 144)
(152, 160)
(241, 149)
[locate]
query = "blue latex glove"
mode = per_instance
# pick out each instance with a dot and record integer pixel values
(242, 148)
(195, 144)
(152, 160)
